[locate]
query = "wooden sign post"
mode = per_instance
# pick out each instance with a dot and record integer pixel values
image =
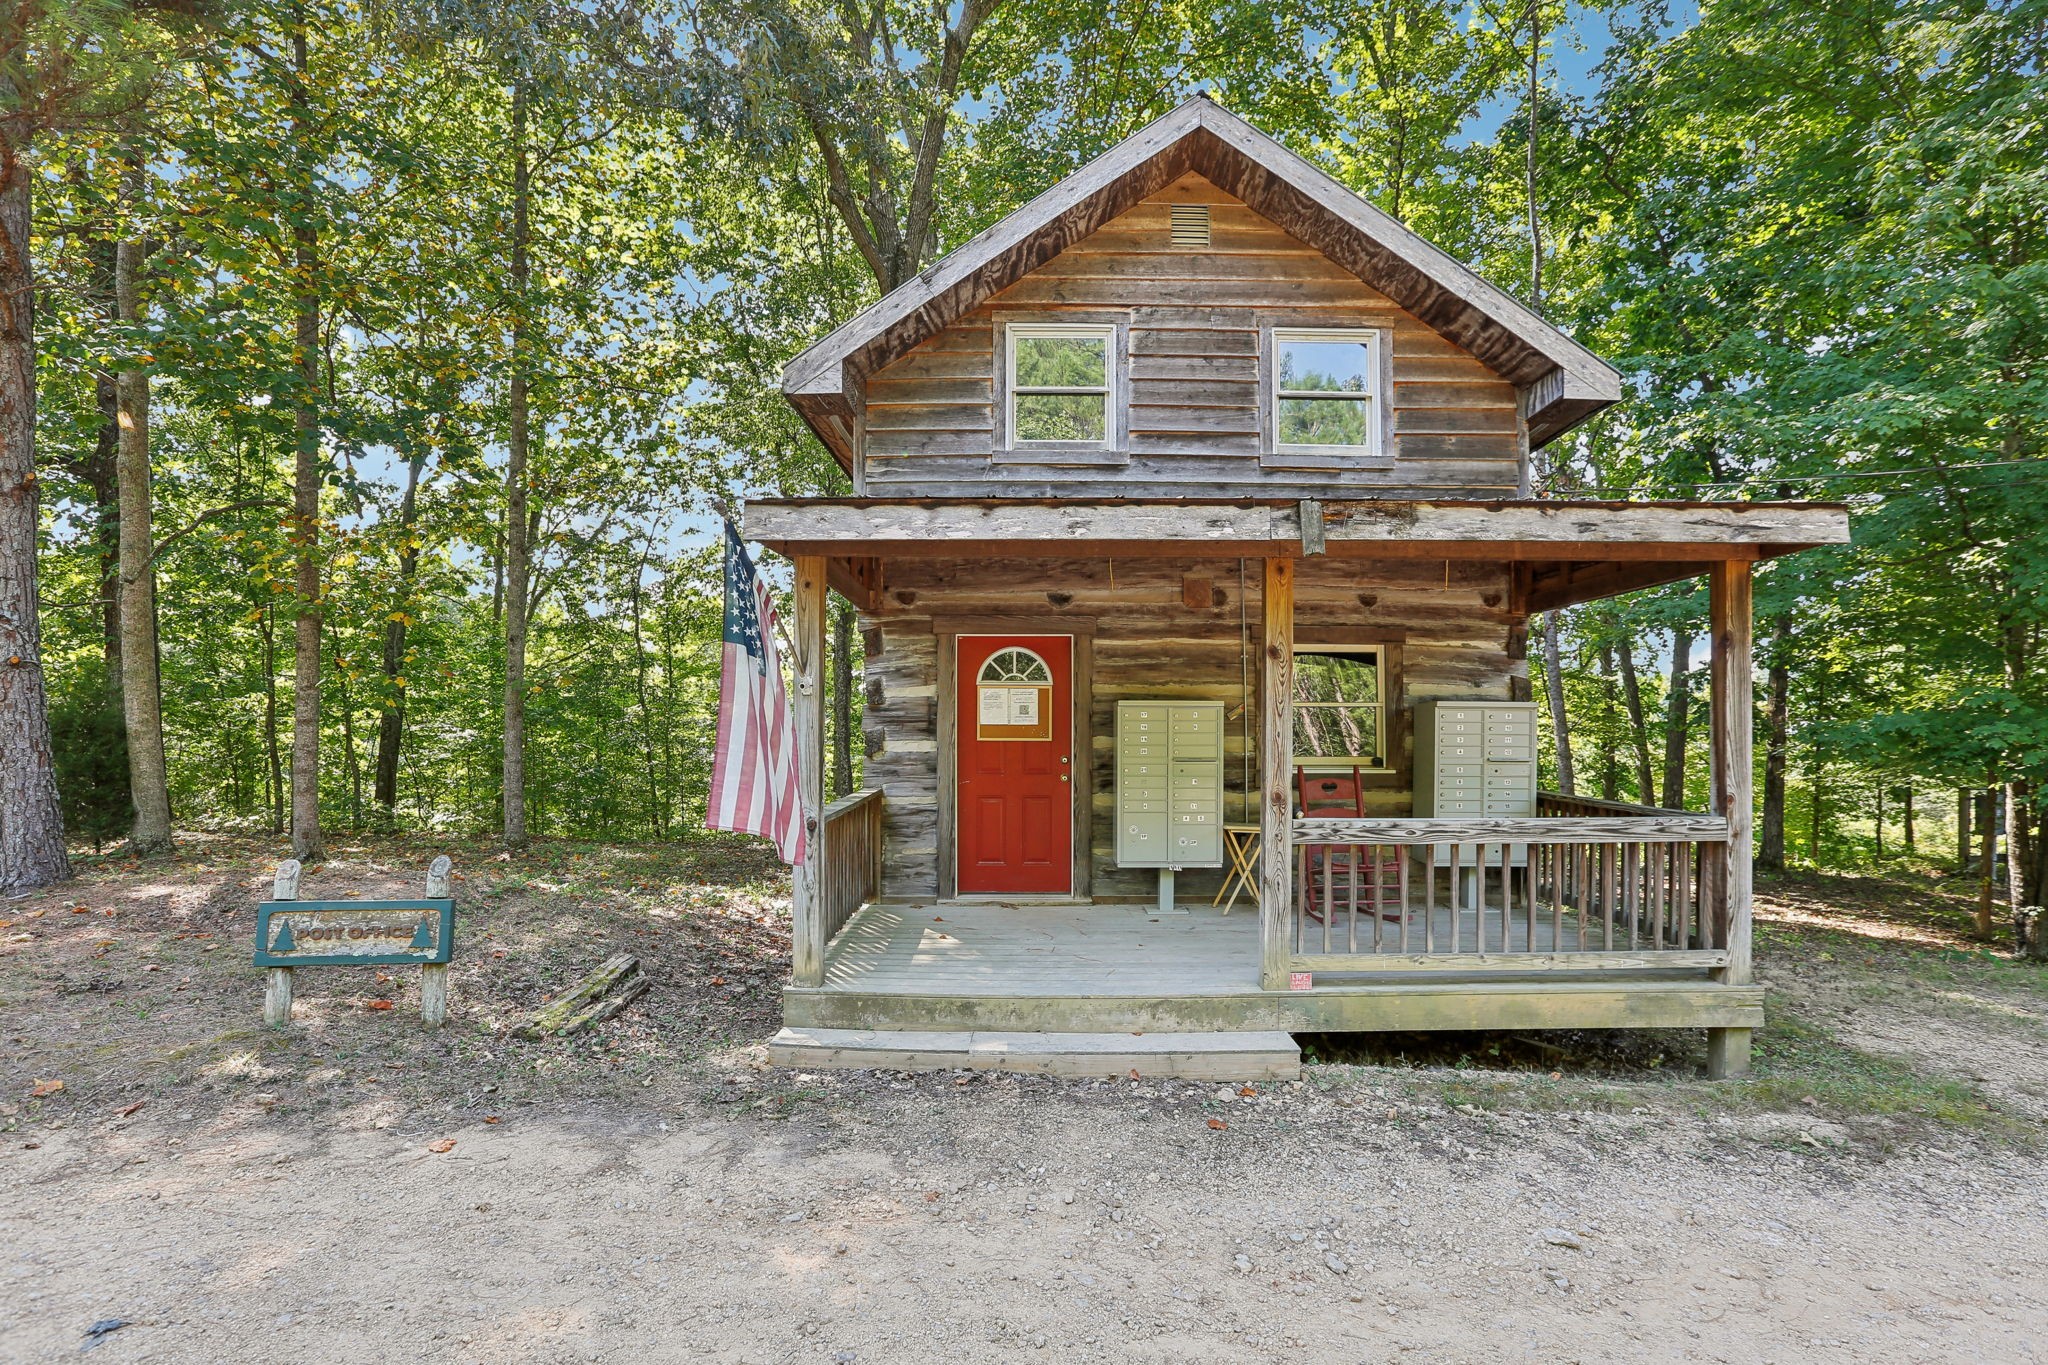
(292, 933)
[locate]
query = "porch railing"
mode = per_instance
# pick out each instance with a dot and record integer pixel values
(853, 850)
(1604, 885)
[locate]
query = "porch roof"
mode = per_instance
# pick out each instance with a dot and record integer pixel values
(1679, 537)
(1572, 551)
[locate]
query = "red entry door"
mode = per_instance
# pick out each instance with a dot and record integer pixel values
(1015, 763)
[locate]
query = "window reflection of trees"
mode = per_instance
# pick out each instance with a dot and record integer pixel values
(1338, 703)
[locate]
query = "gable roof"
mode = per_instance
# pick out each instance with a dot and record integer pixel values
(1560, 382)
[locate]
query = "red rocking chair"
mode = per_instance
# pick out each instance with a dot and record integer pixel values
(1358, 873)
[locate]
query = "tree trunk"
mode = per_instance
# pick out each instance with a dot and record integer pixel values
(842, 699)
(517, 548)
(106, 491)
(141, 684)
(657, 817)
(307, 845)
(98, 468)
(31, 821)
(1880, 822)
(1639, 731)
(391, 721)
(1816, 772)
(271, 748)
(1677, 712)
(1962, 831)
(1610, 763)
(1553, 692)
(2037, 863)
(1777, 745)
(2019, 844)
(1909, 822)
(1987, 822)
(352, 762)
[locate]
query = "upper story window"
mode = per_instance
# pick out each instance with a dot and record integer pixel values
(1326, 392)
(1058, 379)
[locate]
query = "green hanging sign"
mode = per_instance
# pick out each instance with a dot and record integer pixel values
(354, 933)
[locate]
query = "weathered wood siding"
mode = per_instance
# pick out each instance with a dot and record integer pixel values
(1449, 626)
(1192, 374)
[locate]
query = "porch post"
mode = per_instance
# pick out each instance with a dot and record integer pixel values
(1276, 762)
(1732, 767)
(807, 878)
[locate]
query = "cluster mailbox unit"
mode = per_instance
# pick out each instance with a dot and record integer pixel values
(1169, 787)
(1475, 760)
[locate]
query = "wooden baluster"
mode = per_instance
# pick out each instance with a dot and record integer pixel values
(1401, 869)
(1457, 897)
(1304, 898)
(1682, 858)
(1582, 887)
(1653, 893)
(1479, 897)
(1358, 851)
(1329, 897)
(1429, 899)
(1549, 854)
(1607, 897)
(1631, 890)
(1379, 896)
(1479, 881)
(1507, 899)
(1530, 895)
(1700, 928)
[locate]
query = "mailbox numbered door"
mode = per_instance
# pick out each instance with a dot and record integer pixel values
(1015, 765)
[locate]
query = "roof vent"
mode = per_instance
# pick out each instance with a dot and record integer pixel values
(1190, 225)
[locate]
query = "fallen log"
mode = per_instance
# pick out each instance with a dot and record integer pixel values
(597, 997)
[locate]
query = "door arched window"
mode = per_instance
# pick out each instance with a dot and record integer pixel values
(1016, 665)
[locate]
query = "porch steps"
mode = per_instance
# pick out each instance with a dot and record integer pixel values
(1214, 1056)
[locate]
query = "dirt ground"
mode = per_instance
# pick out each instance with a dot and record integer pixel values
(654, 1192)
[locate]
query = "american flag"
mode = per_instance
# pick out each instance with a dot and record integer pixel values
(754, 773)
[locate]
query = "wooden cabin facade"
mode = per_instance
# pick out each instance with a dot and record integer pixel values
(1184, 495)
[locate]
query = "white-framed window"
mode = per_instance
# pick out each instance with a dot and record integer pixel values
(1057, 380)
(1340, 706)
(1325, 392)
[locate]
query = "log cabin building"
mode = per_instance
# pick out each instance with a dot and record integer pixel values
(1195, 552)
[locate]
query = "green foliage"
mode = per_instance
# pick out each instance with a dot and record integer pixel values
(1812, 238)
(91, 751)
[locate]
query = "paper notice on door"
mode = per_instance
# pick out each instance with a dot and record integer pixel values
(995, 706)
(1023, 707)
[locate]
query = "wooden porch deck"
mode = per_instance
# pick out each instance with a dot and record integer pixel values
(1081, 968)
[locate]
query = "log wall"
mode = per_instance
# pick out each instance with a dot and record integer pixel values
(1172, 629)
(1192, 375)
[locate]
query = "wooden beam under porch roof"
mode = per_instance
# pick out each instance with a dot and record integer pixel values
(1535, 530)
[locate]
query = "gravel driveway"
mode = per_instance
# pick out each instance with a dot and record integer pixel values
(886, 1219)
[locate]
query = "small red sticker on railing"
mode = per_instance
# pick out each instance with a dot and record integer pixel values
(1301, 981)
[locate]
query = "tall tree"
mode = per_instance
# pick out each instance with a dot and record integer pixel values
(63, 64)
(141, 685)
(518, 529)
(307, 473)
